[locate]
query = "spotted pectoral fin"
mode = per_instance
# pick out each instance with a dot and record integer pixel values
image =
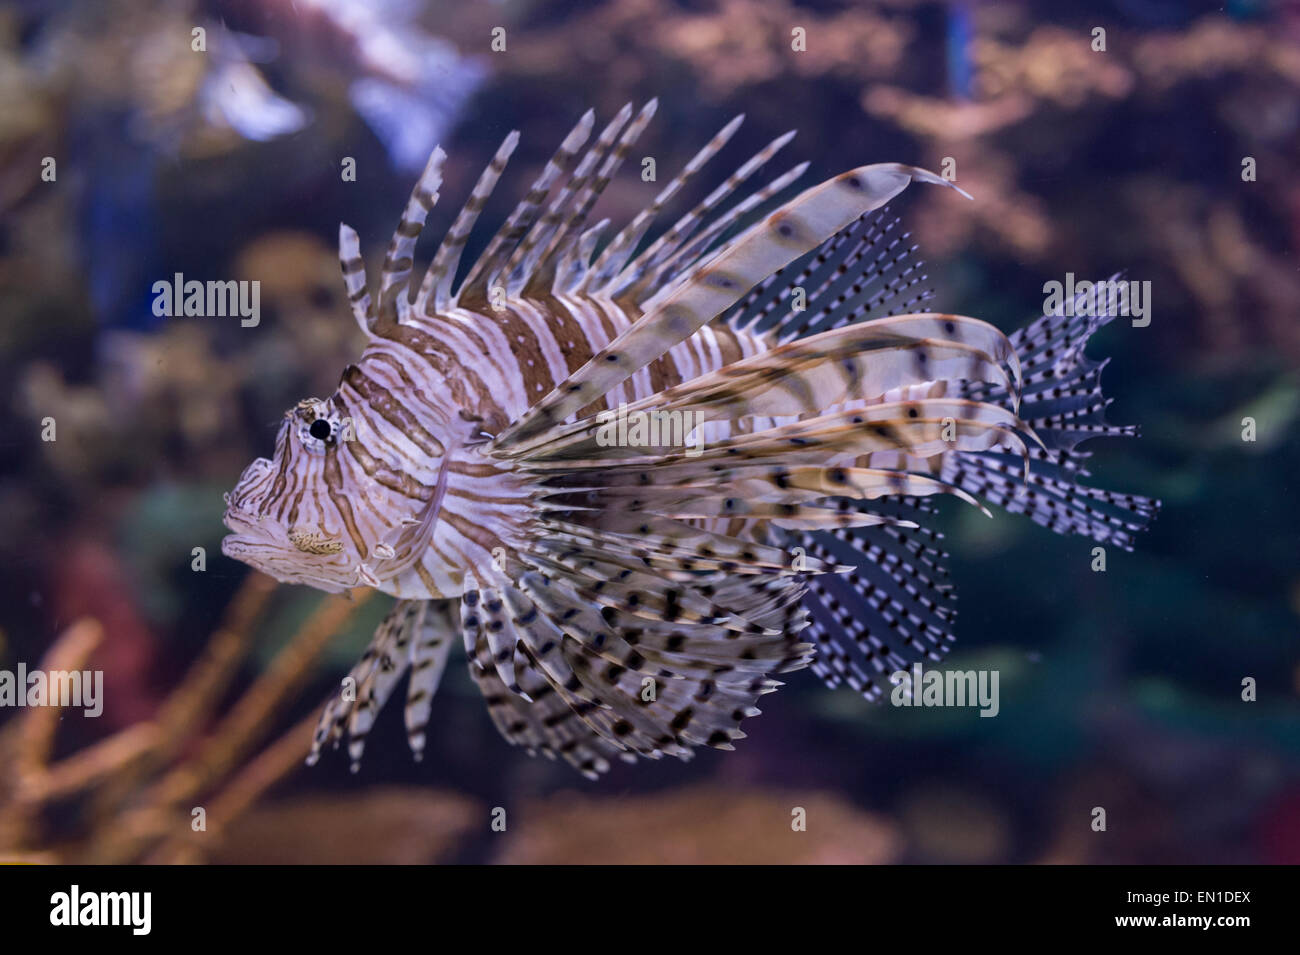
(542, 721)
(574, 673)
(839, 368)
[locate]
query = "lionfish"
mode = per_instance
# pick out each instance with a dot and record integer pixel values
(636, 599)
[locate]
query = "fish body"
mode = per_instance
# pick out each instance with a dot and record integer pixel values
(620, 597)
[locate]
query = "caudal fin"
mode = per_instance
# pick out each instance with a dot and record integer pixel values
(1062, 401)
(898, 607)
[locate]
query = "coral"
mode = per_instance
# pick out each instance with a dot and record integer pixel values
(136, 790)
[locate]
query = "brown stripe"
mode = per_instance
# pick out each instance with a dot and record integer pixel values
(334, 482)
(383, 402)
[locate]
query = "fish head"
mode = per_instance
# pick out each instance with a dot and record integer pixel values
(349, 497)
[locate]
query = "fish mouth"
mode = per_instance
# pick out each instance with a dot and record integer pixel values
(235, 519)
(245, 535)
(253, 543)
(283, 564)
(253, 550)
(238, 546)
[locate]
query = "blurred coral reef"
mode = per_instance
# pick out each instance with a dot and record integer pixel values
(1121, 689)
(161, 789)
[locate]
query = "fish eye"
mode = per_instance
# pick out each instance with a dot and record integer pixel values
(317, 428)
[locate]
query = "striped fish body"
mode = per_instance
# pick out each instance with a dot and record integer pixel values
(509, 358)
(623, 598)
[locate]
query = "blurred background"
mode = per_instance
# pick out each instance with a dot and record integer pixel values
(1120, 689)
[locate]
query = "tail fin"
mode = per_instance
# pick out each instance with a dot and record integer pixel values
(1062, 401)
(898, 607)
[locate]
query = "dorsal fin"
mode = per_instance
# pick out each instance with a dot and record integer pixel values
(435, 291)
(835, 303)
(863, 272)
(489, 264)
(399, 257)
(541, 277)
(752, 311)
(640, 275)
(688, 253)
(522, 259)
(354, 277)
(620, 249)
(678, 311)
(576, 259)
